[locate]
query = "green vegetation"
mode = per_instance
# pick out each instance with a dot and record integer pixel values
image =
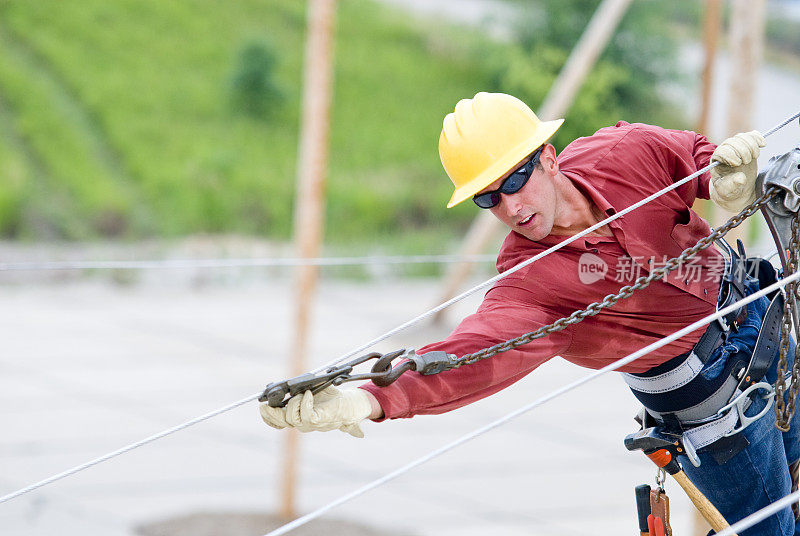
(253, 87)
(139, 118)
(783, 37)
(625, 82)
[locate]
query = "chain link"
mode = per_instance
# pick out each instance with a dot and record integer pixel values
(784, 411)
(624, 292)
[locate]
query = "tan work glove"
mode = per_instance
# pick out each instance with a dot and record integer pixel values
(330, 409)
(733, 181)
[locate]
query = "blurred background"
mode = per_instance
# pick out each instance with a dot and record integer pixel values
(137, 130)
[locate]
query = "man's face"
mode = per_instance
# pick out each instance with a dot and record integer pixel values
(531, 210)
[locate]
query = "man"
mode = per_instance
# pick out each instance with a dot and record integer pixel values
(495, 150)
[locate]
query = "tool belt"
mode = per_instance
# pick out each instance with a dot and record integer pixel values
(710, 412)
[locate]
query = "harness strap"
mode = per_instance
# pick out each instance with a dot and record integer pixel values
(683, 373)
(702, 411)
(706, 434)
(668, 381)
(706, 406)
(769, 338)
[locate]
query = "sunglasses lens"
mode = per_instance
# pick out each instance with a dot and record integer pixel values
(515, 181)
(487, 200)
(511, 185)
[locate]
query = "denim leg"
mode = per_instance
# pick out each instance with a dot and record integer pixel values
(758, 475)
(754, 478)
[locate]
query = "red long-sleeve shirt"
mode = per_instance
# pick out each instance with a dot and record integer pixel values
(615, 167)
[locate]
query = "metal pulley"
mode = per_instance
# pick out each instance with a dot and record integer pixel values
(782, 173)
(782, 214)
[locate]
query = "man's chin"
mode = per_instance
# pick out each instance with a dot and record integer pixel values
(532, 234)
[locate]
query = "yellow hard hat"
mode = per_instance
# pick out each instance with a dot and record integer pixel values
(485, 137)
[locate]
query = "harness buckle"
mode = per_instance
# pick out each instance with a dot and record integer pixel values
(691, 451)
(740, 402)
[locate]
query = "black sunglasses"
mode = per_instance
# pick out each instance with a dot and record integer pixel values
(511, 185)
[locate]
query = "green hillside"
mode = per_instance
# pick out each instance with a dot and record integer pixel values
(117, 118)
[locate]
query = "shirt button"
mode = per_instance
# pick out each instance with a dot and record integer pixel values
(686, 282)
(705, 291)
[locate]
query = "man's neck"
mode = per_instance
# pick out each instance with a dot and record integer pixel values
(575, 211)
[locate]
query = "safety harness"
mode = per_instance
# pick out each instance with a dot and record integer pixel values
(704, 411)
(680, 398)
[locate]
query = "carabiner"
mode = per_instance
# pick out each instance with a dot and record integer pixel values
(739, 401)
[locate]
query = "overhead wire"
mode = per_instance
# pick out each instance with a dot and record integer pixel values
(416, 320)
(760, 515)
(127, 448)
(536, 403)
(241, 262)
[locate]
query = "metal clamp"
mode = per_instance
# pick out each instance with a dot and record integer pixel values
(381, 374)
(691, 451)
(743, 398)
(432, 362)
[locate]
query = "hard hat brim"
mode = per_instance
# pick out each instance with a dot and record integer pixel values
(505, 164)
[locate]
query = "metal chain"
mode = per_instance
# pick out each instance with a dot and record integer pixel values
(624, 292)
(784, 411)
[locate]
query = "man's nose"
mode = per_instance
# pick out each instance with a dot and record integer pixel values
(511, 204)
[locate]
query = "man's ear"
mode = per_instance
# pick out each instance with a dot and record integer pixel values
(548, 159)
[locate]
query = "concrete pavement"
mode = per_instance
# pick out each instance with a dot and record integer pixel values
(88, 367)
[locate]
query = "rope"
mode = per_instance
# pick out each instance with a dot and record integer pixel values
(542, 400)
(232, 263)
(524, 409)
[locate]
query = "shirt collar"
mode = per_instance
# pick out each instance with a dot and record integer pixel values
(587, 188)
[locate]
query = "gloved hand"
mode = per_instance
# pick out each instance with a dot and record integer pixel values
(330, 409)
(733, 181)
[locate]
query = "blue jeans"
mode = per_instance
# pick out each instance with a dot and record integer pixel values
(759, 474)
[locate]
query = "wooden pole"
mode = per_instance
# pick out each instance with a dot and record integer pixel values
(746, 41)
(558, 100)
(711, 30)
(309, 211)
(746, 37)
(746, 50)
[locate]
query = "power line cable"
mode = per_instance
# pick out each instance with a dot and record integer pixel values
(760, 515)
(241, 262)
(125, 449)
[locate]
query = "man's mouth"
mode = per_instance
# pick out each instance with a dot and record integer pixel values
(525, 221)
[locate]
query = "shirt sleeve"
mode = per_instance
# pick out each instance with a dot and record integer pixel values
(702, 154)
(701, 150)
(684, 152)
(504, 314)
